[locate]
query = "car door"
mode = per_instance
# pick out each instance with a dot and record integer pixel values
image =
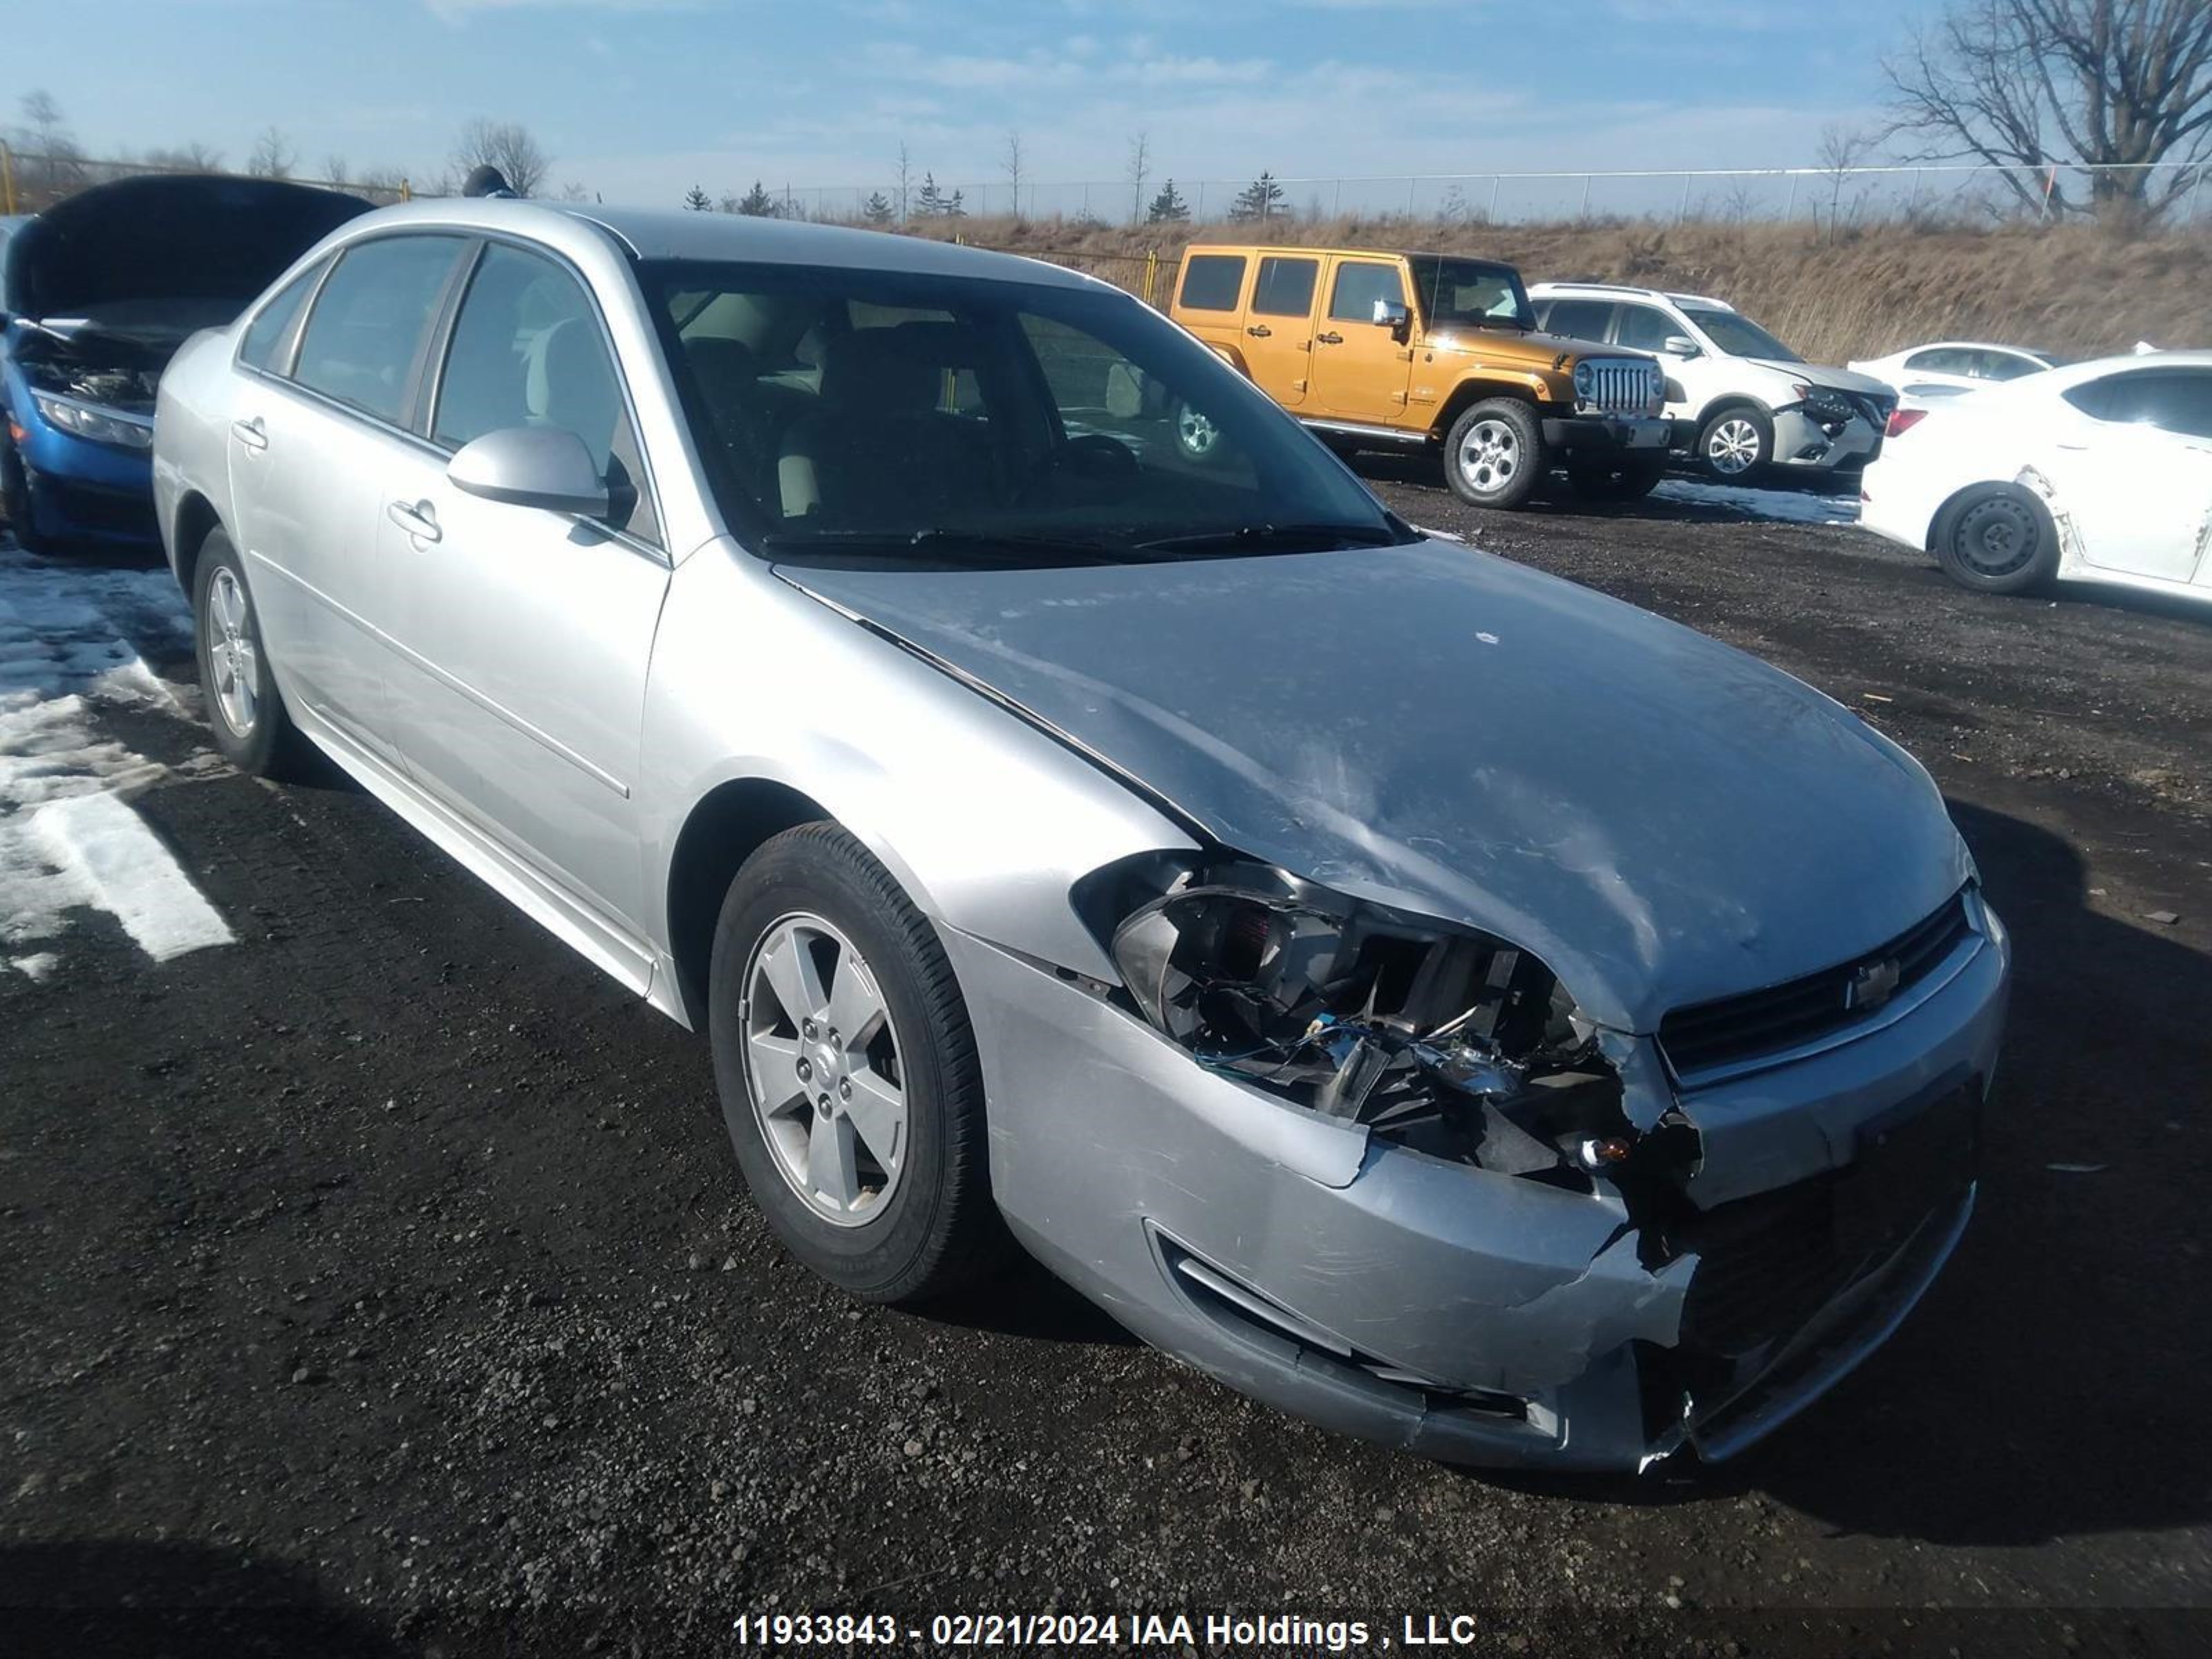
(1279, 325)
(1360, 370)
(2132, 467)
(316, 420)
(522, 637)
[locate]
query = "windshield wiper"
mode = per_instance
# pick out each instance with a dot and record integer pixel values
(1253, 538)
(1016, 547)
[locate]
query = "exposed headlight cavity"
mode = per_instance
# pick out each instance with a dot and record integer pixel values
(1455, 1044)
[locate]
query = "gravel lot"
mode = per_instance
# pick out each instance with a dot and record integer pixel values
(391, 1266)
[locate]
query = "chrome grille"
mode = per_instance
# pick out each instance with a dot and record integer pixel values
(1617, 386)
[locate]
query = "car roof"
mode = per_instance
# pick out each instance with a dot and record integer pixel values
(1966, 345)
(2096, 367)
(646, 234)
(1619, 290)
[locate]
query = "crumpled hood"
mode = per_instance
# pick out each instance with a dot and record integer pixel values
(1836, 379)
(1662, 818)
(190, 238)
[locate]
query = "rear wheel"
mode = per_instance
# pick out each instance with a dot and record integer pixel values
(1495, 455)
(848, 1074)
(2000, 540)
(246, 712)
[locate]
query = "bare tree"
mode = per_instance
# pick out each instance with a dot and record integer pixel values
(1141, 168)
(189, 157)
(2035, 85)
(273, 155)
(1844, 149)
(336, 170)
(60, 164)
(507, 145)
(1010, 163)
(905, 175)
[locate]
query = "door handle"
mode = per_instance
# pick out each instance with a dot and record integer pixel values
(1259, 330)
(418, 519)
(252, 433)
(1328, 339)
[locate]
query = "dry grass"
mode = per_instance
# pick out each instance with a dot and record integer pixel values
(2076, 290)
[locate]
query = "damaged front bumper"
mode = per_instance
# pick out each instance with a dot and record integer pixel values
(1804, 437)
(1467, 1314)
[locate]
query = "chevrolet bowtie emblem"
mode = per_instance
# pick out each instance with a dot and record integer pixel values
(1872, 984)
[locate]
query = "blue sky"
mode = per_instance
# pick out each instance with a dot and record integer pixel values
(638, 99)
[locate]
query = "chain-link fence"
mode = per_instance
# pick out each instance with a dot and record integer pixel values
(1893, 193)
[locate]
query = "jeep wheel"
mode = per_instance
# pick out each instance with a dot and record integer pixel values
(1494, 455)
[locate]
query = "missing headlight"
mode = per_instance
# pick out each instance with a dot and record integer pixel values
(1450, 1042)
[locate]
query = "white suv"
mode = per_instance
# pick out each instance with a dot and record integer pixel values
(1741, 400)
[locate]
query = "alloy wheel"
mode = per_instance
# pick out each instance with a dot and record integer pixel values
(233, 663)
(1734, 447)
(1196, 432)
(1489, 457)
(824, 1068)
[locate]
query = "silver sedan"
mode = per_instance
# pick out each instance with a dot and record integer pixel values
(1459, 1008)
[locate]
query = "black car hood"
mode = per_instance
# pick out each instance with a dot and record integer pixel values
(1661, 818)
(193, 240)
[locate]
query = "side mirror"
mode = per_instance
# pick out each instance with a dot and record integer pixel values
(541, 466)
(1679, 345)
(1389, 314)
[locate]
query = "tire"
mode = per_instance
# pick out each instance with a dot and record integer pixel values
(1997, 540)
(1630, 482)
(246, 712)
(1198, 438)
(1495, 455)
(1736, 444)
(15, 503)
(900, 1208)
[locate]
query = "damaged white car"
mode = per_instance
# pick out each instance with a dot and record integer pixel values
(1459, 1008)
(2096, 472)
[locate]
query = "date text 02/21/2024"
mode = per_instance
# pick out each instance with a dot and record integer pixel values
(1144, 1630)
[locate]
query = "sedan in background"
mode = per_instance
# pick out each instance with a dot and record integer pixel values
(2099, 472)
(1953, 366)
(96, 295)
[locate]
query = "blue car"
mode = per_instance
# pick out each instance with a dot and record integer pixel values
(96, 295)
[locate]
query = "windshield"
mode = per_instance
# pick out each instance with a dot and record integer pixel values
(1469, 292)
(885, 414)
(1737, 335)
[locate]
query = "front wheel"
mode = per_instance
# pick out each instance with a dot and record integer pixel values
(1736, 445)
(1197, 437)
(1999, 541)
(1495, 455)
(848, 1073)
(15, 503)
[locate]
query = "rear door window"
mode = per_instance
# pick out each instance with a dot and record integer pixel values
(270, 330)
(1285, 287)
(364, 339)
(1577, 319)
(2176, 400)
(1360, 285)
(1212, 282)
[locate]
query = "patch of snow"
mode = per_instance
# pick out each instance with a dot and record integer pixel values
(36, 966)
(1779, 506)
(64, 654)
(124, 867)
(1442, 535)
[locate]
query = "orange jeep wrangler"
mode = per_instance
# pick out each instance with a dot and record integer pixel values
(1431, 351)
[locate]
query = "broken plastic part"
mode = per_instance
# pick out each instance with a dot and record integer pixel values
(1452, 1043)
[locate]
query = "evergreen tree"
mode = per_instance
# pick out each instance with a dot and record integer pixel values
(929, 200)
(697, 200)
(1168, 207)
(1260, 199)
(757, 204)
(877, 212)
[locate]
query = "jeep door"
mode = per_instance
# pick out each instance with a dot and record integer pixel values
(1360, 369)
(1279, 325)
